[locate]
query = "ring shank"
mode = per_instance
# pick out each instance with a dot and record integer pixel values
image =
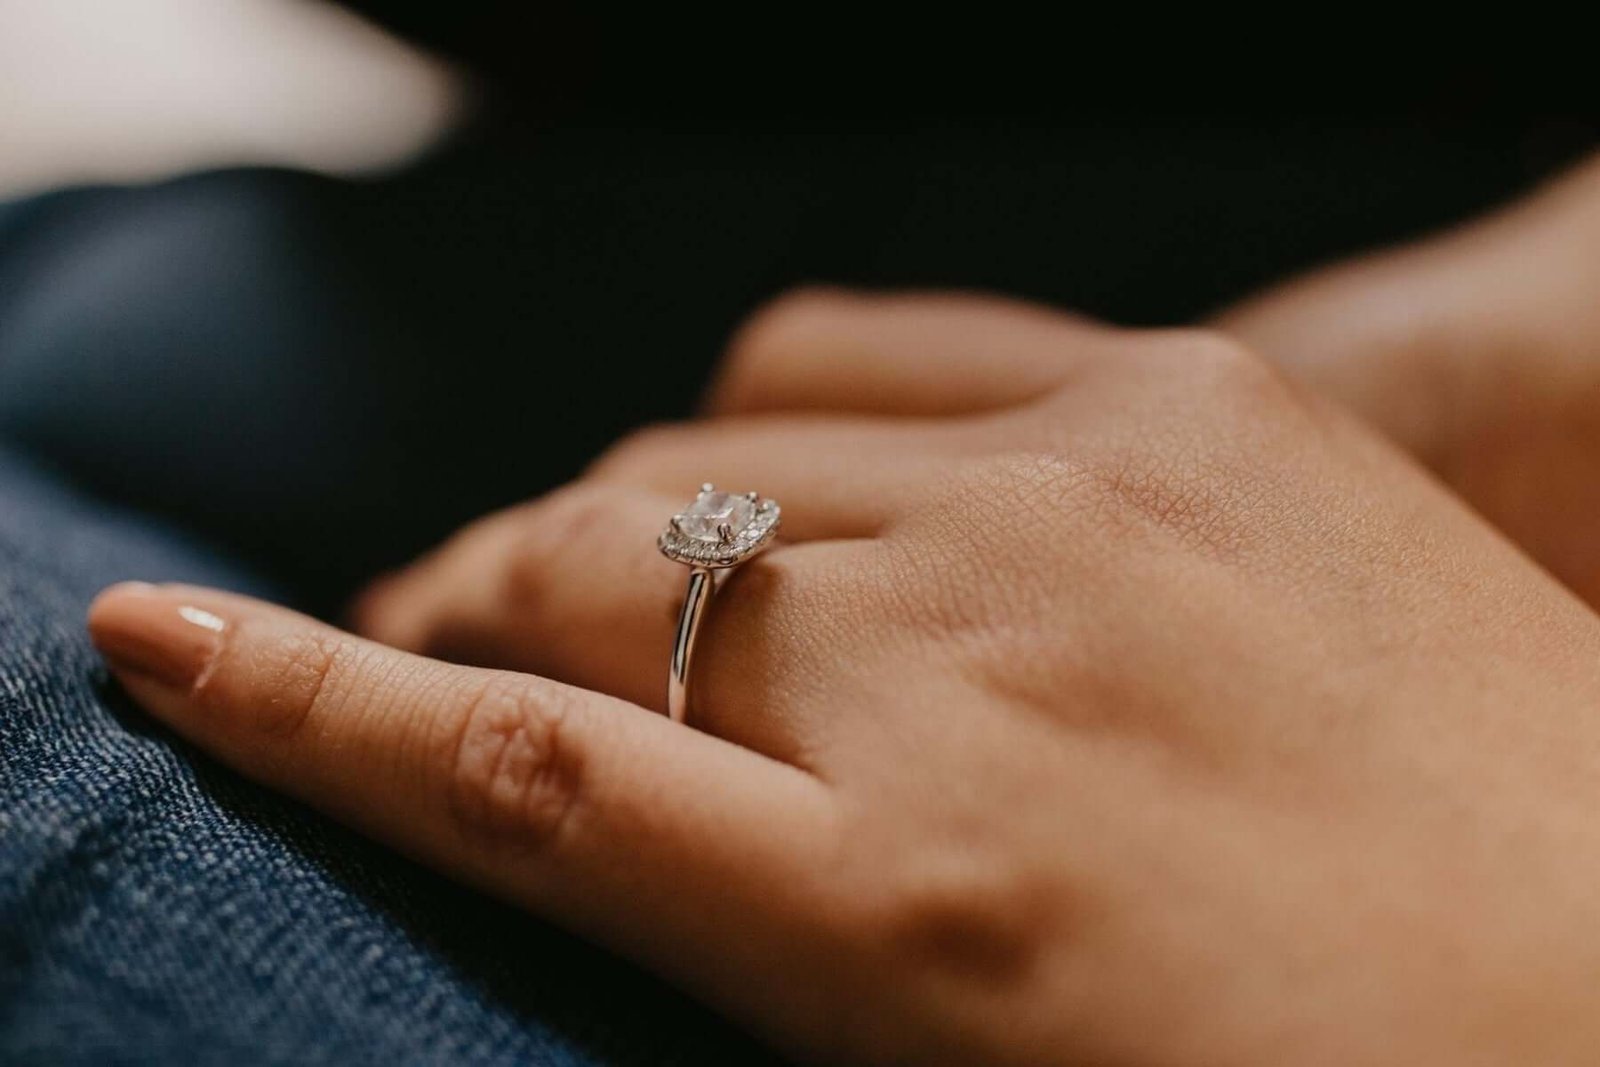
(701, 586)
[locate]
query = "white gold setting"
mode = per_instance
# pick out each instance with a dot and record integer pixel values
(713, 535)
(720, 530)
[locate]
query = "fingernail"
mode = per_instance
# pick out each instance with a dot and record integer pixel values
(155, 633)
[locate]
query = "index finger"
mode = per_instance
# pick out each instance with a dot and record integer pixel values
(903, 354)
(670, 845)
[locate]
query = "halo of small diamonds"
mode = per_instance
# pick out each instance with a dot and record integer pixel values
(719, 529)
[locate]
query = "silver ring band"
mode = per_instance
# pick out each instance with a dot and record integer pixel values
(717, 532)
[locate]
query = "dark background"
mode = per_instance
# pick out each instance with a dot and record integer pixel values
(331, 375)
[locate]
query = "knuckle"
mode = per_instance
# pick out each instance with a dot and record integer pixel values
(1029, 492)
(1187, 503)
(1187, 464)
(784, 325)
(571, 521)
(1212, 358)
(514, 779)
(1116, 498)
(295, 680)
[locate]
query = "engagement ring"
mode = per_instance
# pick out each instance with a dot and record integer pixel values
(713, 535)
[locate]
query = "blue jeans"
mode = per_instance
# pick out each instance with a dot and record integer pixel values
(156, 908)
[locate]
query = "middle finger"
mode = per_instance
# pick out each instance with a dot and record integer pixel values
(834, 476)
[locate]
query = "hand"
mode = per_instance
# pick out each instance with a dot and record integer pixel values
(1479, 351)
(1113, 703)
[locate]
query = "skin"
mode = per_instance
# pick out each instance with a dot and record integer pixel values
(1479, 352)
(1113, 700)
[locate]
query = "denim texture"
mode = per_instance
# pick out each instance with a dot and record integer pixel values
(155, 908)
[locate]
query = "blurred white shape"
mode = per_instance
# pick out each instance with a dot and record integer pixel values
(117, 91)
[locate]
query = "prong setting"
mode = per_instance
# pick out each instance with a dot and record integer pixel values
(720, 530)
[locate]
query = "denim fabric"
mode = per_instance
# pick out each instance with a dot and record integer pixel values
(155, 908)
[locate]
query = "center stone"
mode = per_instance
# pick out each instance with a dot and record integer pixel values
(711, 510)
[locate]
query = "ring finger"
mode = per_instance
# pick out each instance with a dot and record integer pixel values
(573, 588)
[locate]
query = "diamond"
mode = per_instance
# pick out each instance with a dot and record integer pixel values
(716, 517)
(720, 530)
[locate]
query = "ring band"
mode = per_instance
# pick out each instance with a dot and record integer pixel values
(714, 534)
